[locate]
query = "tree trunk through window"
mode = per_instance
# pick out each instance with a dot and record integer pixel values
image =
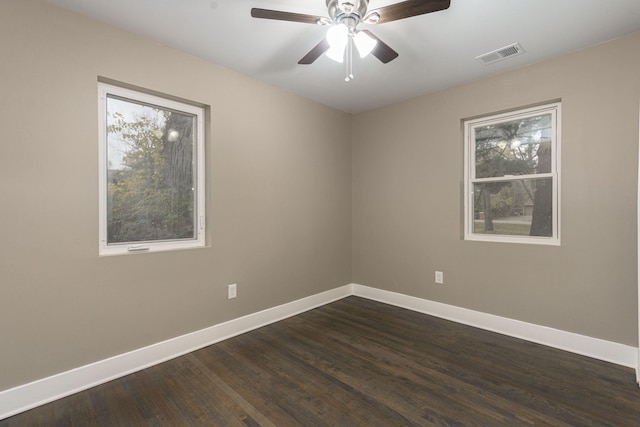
(177, 143)
(486, 206)
(542, 221)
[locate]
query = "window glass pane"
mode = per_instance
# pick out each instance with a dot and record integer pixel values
(521, 207)
(516, 147)
(150, 173)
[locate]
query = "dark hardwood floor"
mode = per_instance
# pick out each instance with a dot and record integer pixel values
(357, 362)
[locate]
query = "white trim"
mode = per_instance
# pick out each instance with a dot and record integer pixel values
(596, 348)
(45, 390)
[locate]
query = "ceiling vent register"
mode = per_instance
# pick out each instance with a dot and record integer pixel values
(501, 54)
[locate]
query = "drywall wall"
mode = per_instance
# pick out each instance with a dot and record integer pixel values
(407, 198)
(278, 208)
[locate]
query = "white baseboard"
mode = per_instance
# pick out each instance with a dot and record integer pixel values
(596, 348)
(36, 393)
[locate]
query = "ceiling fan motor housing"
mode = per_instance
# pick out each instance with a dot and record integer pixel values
(339, 9)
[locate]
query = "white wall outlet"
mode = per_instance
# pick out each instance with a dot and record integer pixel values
(439, 277)
(232, 291)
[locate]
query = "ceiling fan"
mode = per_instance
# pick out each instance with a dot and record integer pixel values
(342, 35)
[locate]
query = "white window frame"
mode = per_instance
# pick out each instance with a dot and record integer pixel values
(469, 173)
(104, 90)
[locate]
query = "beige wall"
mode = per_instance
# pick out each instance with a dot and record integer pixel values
(279, 204)
(407, 198)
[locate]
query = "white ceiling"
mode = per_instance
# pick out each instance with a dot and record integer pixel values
(437, 50)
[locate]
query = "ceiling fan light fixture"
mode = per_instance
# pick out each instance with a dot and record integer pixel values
(365, 43)
(337, 37)
(336, 53)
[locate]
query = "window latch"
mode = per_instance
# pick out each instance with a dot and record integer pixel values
(134, 248)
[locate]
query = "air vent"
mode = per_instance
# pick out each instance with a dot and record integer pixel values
(500, 54)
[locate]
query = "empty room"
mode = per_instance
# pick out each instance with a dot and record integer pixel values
(329, 212)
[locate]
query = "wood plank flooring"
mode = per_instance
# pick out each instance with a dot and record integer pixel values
(357, 362)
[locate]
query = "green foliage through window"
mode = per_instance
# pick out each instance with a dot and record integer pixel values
(150, 176)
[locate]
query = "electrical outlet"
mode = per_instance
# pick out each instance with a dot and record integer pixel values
(439, 277)
(232, 291)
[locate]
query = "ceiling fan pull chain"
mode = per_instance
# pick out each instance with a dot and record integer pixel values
(349, 61)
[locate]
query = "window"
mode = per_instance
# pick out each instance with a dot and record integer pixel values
(512, 176)
(151, 172)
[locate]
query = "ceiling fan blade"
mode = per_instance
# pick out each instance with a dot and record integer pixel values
(409, 8)
(315, 53)
(285, 16)
(382, 51)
